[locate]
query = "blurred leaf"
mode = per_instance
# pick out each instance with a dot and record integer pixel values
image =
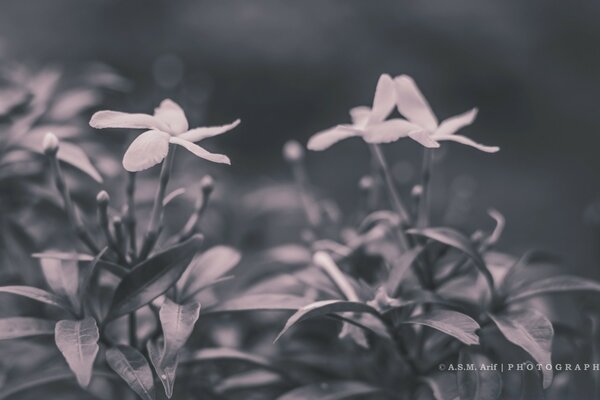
(325, 307)
(18, 327)
(248, 380)
(57, 255)
(261, 302)
(206, 268)
(172, 196)
(63, 278)
(331, 391)
(177, 323)
(452, 323)
(78, 342)
(443, 385)
(72, 103)
(532, 331)
(399, 268)
(554, 284)
(12, 98)
(131, 365)
(479, 384)
(36, 294)
(225, 353)
(531, 386)
(152, 278)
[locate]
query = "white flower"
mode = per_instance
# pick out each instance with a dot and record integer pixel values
(368, 123)
(167, 125)
(426, 130)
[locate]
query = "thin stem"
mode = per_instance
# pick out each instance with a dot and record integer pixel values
(206, 188)
(130, 217)
(424, 199)
(326, 263)
(156, 218)
(132, 322)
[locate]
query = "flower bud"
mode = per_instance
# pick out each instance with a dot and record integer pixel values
(293, 151)
(102, 198)
(416, 191)
(207, 184)
(50, 144)
(366, 183)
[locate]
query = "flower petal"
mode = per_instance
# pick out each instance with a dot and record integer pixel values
(412, 104)
(327, 138)
(453, 124)
(147, 150)
(384, 100)
(424, 138)
(172, 115)
(200, 152)
(116, 119)
(389, 131)
(466, 141)
(197, 134)
(360, 115)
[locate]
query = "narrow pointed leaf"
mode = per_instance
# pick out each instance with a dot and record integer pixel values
(399, 268)
(36, 294)
(532, 331)
(63, 278)
(225, 353)
(133, 368)
(331, 391)
(78, 343)
(452, 323)
(19, 327)
(59, 255)
(261, 302)
(443, 385)
(152, 278)
(478, 384)
(325, 307)
(555, 284)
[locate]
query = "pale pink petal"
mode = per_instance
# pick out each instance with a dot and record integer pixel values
(116, 119)
(172, 115)
(453, 124)
(197, 134)
(327, 138)
(389, 131)
(412, 104)
(465, 140)
(424, 139)
(360, 115)
(384, 100)
(147, 150)
(200, 152)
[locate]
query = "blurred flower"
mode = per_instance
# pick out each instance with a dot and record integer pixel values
(425, 128)
(167, 125)
(368, 123)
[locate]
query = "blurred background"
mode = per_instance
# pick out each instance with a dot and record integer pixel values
(291, 68)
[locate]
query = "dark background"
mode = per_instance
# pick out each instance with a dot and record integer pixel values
(291, 68)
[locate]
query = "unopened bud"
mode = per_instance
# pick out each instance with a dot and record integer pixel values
(416, 191)
(366, 183)
(50, 144)
(293, 151)
(102, 198)
(207, 184)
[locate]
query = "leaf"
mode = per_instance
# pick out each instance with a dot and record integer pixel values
(18, 327)
(452, 323)
(554, 284)
(330, 391)
(443, 385)
(58, 255)
(480, 384)
(131, 365)
(321, 308)
(248, 380)
(177, 323)
(225, 353)
(399, 268)
(260, 302)
(453, 238)
(532, 331)
(152, 278)
(36, 294)
(206, 268)
(78, 343)
(63, 278)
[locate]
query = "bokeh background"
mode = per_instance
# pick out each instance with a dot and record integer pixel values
(291, 68)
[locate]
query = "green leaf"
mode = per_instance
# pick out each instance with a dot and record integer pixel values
(63, 278)
(532, 331)
(331, 391)
(260, 302)
(452, 323)
(481, 384)
(554, 284)
(133, 368)
(18, 327)
(152, 278)
(399, 269)
(325, 307)
(78, 343)
(207, 267)
(36, 294)
(177, 323)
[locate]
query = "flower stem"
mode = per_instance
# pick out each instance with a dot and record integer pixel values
(424, 199)
(130, 217)
(326, 263)
(156, 217)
